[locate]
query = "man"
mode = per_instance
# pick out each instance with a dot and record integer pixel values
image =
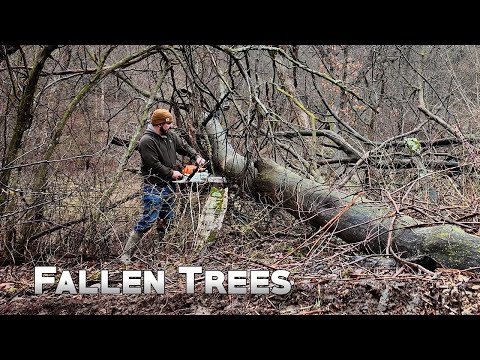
(158, 147)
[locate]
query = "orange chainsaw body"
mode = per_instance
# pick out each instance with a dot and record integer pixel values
(187, 170)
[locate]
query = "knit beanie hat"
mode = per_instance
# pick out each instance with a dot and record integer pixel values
(161, 116)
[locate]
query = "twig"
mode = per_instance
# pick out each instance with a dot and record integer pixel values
(365, 156)
(322, 229)
(392, 223)
(332, 220)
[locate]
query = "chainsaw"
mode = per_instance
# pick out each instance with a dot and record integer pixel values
(192, 173)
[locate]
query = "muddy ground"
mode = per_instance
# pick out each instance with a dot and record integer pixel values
(327, 276)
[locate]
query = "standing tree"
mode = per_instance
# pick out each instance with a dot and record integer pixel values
(325, 131)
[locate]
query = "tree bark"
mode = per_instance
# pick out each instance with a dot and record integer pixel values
(364, 221)
(35, 214)
(23, 122)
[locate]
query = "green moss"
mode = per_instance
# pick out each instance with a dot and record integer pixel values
(212, 236)
(95, 275)
(218, 195)
(450, 246)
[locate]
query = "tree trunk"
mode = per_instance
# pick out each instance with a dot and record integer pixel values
(23, 122)
(35, 213)
(363, 221)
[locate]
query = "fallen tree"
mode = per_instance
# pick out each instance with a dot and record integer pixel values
(378, 227)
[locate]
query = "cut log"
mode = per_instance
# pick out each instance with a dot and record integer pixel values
(364, 221)
(211, 218)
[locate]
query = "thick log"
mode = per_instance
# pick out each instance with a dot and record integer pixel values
(364, 221)
(233, 165)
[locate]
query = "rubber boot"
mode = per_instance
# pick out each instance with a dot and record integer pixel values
(132, 242)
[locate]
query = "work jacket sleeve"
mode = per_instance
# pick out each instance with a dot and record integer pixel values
(183, 148)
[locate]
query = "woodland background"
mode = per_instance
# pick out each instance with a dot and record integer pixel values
(397, 123)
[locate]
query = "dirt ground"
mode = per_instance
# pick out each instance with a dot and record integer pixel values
(327, 276)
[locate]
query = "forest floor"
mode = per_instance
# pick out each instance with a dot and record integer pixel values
(327, 276)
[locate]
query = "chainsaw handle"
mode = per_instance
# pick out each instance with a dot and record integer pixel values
(204, 165)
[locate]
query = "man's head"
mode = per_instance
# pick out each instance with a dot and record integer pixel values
(161, 120)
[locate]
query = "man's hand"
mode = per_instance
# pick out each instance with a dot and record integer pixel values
(200, 161)
(176, 175)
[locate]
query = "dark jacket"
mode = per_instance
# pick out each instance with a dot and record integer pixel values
(158, 154)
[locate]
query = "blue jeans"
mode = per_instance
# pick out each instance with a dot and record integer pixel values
(158, 202)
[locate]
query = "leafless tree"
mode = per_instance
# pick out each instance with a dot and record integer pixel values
(394, 123)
